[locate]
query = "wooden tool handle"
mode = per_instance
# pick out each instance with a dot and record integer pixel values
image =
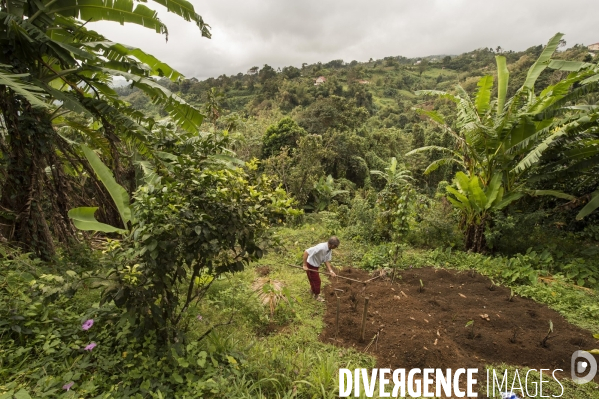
(328, 274)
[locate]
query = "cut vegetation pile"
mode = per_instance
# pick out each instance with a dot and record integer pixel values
(436, 318)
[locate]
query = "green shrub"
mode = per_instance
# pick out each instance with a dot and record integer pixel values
(360, 219)
(286, 133)
(435, 224)
(585, 273)
(377, 257)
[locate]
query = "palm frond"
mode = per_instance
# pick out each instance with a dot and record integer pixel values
(571, 66)
(431, 114)
(440, 162)
(483, 96)
(552, 193)
(433, 148)
(183, 114)
(590, 206)
(33, 94)
(120, 52)
(542, 62)
(503, 76)
(559, 105)
(121, 11)
(579, 125)
(185, 10)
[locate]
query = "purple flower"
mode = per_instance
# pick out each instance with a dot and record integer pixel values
(88, 324)
(90, 346)
(199, 317)
(68, 386)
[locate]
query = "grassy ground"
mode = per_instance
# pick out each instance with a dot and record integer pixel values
(251, 353)
(285, 357)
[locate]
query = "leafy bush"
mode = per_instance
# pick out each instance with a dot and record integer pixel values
(584, 273)
(435, 224)
(590, 232)
(360, 219)
(44, 343)
(526, 226)
(377, 257)
(189, 230)
(286, 133)
(323, 192)
(521, 269)
(331, 222)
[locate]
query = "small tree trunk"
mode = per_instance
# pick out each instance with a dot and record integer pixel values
(29, 141)
(474, 237)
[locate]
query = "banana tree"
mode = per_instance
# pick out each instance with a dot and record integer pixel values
(506, 137)
(55, 76)
(477, 203)
(394, 202)
(324, 192)
(84, 218)
(393, 173)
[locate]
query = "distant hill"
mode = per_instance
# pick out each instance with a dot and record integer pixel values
(376, 84)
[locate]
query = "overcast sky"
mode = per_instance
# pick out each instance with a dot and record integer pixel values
(289, 32)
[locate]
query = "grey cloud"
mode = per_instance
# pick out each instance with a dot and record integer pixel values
(280, 33)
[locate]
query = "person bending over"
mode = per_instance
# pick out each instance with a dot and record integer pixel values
(316, 256)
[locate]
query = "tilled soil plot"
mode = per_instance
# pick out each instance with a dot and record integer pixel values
(426, 329)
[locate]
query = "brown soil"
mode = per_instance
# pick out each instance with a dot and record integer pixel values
(427, 329)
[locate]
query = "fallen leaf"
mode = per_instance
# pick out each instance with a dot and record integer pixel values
(462, 295)
(426, 320)
(404, 294)
(438, 335)
(392, 289)
(435, 342)
(413, 318)
(396, 297)
(425, 348)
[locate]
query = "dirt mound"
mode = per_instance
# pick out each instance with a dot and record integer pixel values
(426, 328)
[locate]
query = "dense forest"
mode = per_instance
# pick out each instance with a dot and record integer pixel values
(137, 219)
(321, 131)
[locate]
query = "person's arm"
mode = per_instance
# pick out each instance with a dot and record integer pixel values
(330, 267)
(305, 265)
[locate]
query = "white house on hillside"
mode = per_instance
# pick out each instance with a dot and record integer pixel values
(594, 47)
(320, 80)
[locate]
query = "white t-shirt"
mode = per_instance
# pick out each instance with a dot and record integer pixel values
(319, 254)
